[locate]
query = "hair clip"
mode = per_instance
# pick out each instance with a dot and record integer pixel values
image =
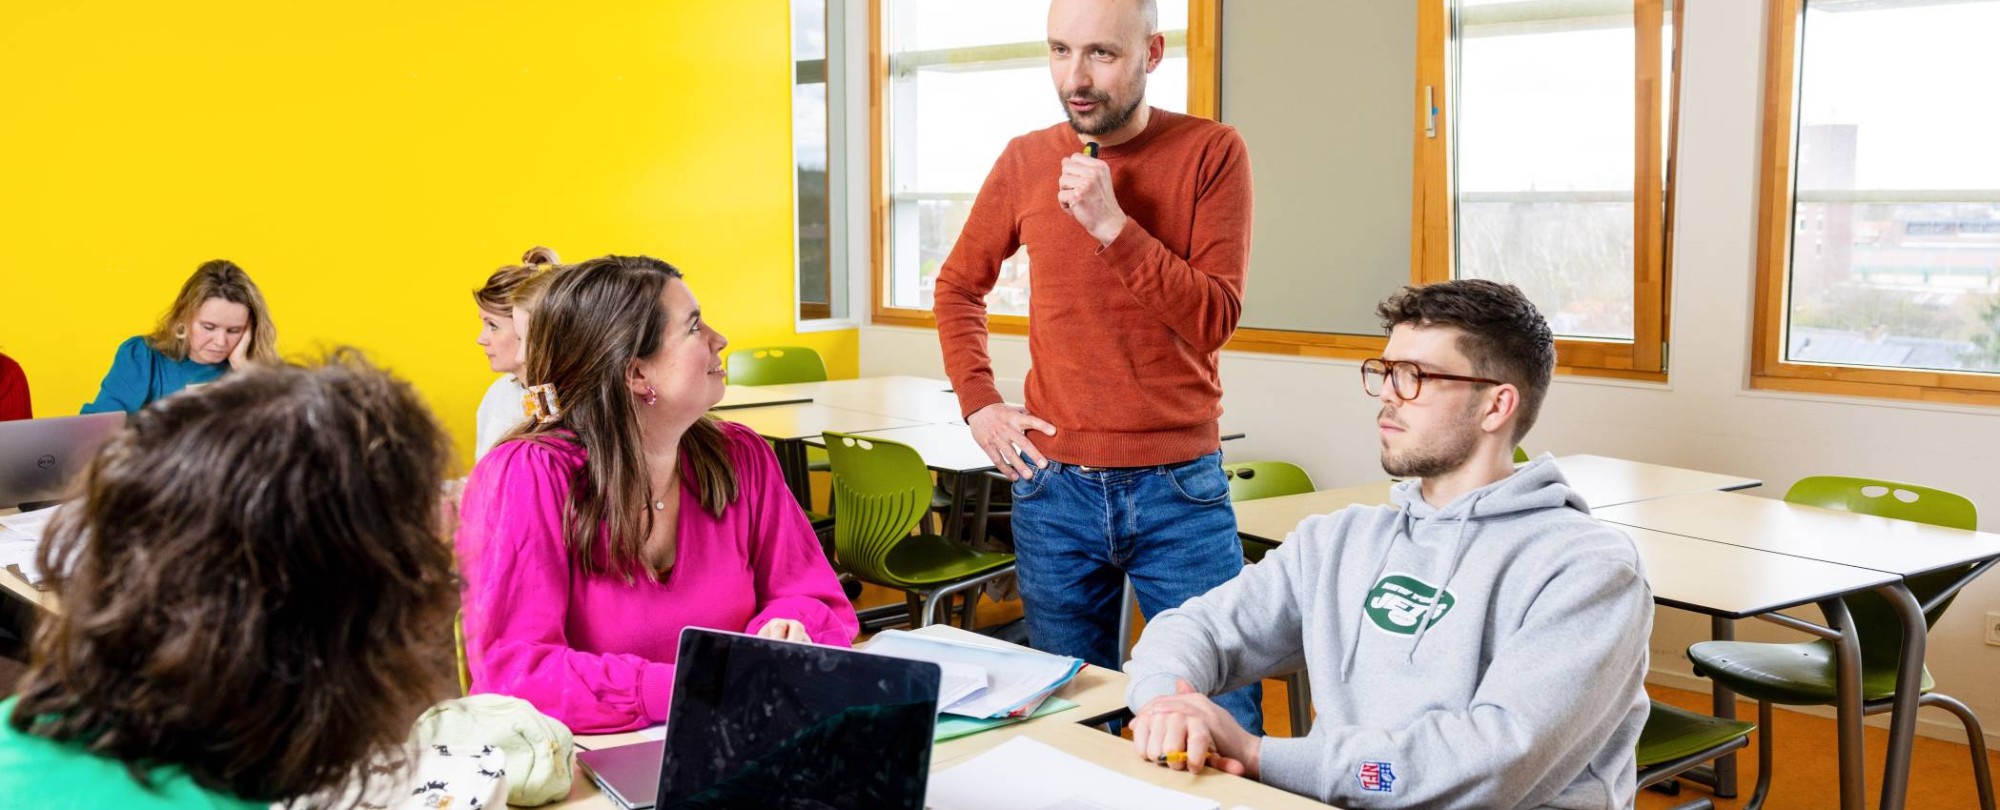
(542, 404)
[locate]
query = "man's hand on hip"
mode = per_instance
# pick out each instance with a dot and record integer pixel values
(1084, 190)
(1002, 431)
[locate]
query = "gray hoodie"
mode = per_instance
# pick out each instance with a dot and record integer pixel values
(1521, 686)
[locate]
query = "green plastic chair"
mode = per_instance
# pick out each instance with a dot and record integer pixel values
(1521, 455)
(1248, 481)
(775, 365)
(881, 490)
(1675, 741)
(1803, 674)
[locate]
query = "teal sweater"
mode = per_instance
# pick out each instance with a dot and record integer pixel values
(140, 374)
(40, 774)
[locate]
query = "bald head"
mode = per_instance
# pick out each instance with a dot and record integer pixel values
(1135, 19)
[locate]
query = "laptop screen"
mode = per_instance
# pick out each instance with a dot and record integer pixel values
(770, 724)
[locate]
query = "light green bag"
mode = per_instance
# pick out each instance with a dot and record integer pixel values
(541, 754)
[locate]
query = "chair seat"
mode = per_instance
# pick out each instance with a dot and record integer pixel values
(927, 560)
(1799, 674)
(1672, 733)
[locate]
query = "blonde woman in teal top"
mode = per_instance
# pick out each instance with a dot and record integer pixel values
(217, 323)
(230, 640)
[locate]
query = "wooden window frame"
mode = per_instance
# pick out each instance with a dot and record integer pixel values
(1431, 233)
(1775, 206)
(1644, 357)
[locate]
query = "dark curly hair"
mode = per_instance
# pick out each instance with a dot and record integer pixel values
(1502, 333)
(253, 583)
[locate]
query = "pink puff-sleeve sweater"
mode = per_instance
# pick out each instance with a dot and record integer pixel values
(593, 650)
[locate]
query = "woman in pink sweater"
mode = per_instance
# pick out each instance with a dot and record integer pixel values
(593, 534)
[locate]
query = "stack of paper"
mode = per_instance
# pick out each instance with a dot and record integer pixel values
(20, 536)
(993, 781)
(1012, 683)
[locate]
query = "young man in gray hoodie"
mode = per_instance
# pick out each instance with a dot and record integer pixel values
(1481, 643)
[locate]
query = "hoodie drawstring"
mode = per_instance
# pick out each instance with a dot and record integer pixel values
(1458, 550)
(1361, 616)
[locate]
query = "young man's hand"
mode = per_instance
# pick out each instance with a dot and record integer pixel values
(1188, 721)
(1084, 190)
(1000, 429)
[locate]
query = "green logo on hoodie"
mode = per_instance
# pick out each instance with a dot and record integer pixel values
(1398, 603)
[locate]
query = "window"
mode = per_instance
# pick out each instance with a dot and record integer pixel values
(957, 80)
(1879, 264)
(1560, 116)
(821, 276)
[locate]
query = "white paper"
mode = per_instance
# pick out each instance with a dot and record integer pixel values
(1061, 781)
(959, 682)
(30, 524)
(20, 536)
(1014, 677)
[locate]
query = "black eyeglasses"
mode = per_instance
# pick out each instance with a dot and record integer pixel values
(1405, 378)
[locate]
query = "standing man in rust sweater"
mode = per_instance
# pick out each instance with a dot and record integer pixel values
(1138, 257)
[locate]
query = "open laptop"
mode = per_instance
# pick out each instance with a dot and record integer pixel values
(38, 457)
(758, 723)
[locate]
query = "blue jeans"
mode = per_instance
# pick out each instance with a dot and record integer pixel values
(1078, 533)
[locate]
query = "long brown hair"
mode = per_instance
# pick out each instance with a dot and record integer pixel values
(216, 278)
(254, 587)
(594, 320)
(498, 294)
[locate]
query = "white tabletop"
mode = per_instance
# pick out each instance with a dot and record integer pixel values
(1734, 582)
(792, 422)
(923, 399)
(1899, 547)
(943, 447)
(751, 396)
(1604, 481)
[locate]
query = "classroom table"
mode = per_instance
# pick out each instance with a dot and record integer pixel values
(788, 426)
(1900, 548)
(1099, 695)
(1602, 482)
(752, 396)
(924, 399)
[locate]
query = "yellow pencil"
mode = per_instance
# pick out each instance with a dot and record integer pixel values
(1173, 757)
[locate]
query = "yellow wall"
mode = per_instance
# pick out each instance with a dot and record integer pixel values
(370, 162)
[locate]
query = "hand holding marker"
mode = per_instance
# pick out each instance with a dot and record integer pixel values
(1089, 148)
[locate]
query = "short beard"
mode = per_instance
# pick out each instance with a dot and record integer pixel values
(1112, 122)
(1442, 457)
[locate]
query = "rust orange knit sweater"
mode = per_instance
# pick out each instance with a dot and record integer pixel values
(1123, 337)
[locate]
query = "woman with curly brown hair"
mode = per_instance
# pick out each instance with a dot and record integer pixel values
(254, 593)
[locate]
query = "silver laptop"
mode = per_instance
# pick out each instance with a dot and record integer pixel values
(757, 723)
(38, 457)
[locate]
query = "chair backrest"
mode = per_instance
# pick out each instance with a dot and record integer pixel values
(1250, 480)
(1521, 455)
(1880, 630)
(881, 490)
(775, 365)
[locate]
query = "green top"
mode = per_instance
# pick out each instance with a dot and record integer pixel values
(39, 774)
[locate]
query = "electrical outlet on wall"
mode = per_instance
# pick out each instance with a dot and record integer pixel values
(1993, 628)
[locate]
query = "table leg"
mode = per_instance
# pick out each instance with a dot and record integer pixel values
(1909, 687)
(1724, 706)
(1847, 704)
(792, 459)
(982, 505)
(954, 514)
